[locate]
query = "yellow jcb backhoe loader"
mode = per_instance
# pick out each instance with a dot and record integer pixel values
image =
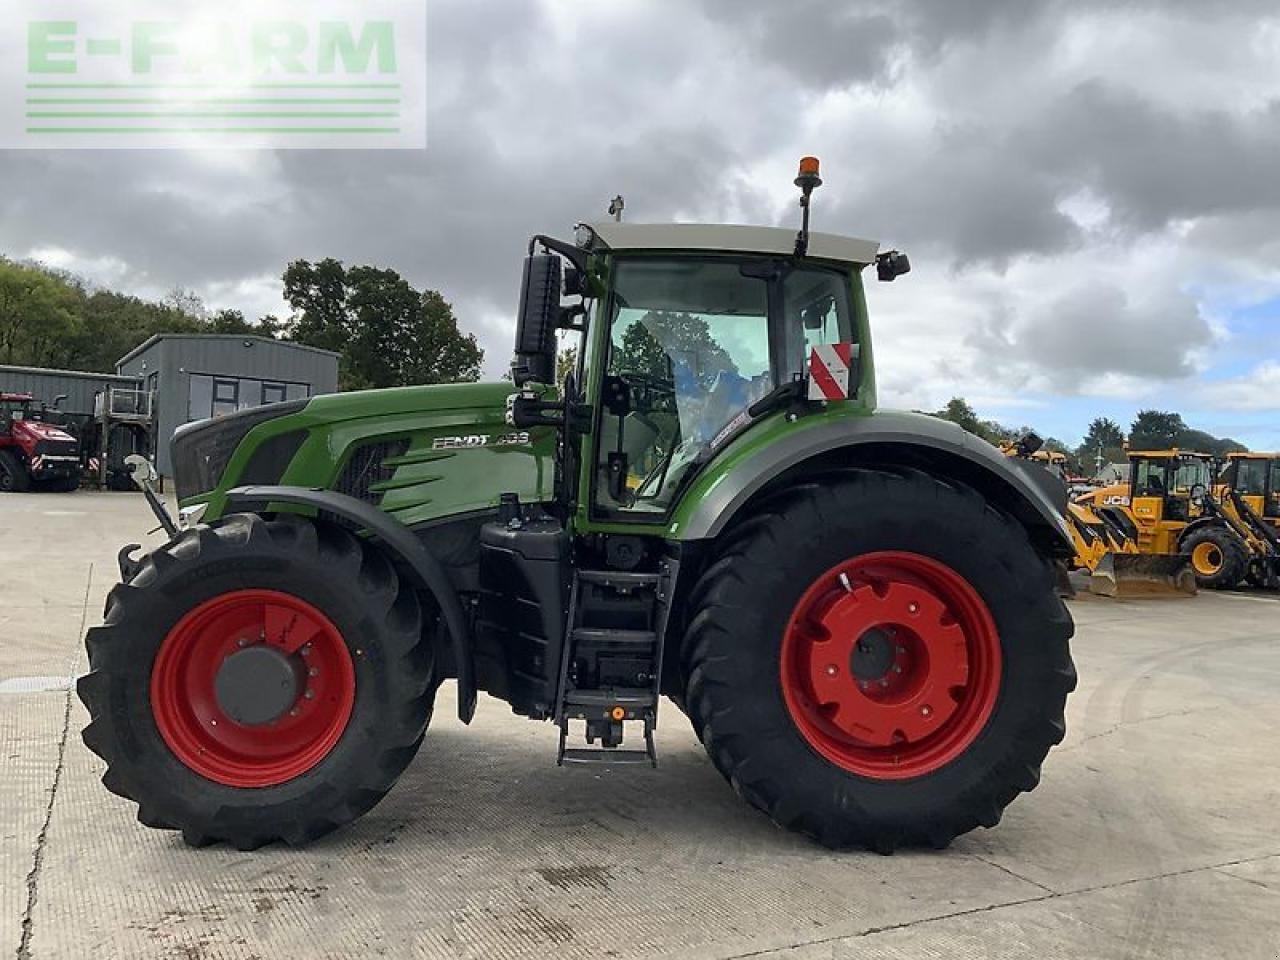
(1107, 540)
(1171, 500)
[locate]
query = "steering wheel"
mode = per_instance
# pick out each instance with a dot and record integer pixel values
(1197, 498)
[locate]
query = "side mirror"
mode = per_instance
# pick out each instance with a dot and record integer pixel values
(891, 264)
(535, 355)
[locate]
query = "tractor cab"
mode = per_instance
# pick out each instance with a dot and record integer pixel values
(684, 338)
(1164, 490)
(1256, 478)
(14, 406)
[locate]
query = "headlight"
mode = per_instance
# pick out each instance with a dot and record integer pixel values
(202, 450)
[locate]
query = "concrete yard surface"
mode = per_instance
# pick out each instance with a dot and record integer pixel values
(1155, 831)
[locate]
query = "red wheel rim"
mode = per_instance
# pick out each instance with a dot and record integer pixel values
(890, 665)
(185, 703)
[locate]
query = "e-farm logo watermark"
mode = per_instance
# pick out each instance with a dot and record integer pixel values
(313, 74)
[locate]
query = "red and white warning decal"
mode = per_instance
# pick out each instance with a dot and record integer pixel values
(829, 365)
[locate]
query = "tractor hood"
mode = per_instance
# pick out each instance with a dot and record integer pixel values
(39, 430)
(418, 453)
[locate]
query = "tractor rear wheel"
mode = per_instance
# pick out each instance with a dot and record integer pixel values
(1219, 559)
(878, 659)
(13, 473)
(258, 680)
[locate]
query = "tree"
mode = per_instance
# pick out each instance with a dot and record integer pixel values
(959, 412)
(566, 363)
(233, 321)
(387, 333)
(36, 314)
(1103, 438)
(1155, 430)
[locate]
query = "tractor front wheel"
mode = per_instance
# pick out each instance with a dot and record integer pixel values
(878, 659)
(258, 680)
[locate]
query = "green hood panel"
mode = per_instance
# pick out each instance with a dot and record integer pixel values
(418, 453)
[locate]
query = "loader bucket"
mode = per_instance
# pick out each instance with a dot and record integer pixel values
(1143, 575)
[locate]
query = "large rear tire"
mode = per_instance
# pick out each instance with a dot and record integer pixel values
(878, 659)
(258, 680)
(1218, 558)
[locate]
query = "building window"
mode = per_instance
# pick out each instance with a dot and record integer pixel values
(216, 396)
(226, 396)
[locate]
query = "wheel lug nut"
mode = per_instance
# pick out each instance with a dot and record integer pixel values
(831, 670)
(897, 669)
(313, 672)
(884, 683)
(293, 712)
(242, 642)
(913, 607)
(310, 694)
(926, 711)
(306, 649)
(900, 649)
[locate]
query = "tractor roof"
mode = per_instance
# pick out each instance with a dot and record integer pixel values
(1252, 455)
(730, 238)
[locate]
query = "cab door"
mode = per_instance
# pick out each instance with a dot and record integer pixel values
(1148, 490)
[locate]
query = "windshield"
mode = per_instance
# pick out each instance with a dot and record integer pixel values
(690, 351)
(1157, 478)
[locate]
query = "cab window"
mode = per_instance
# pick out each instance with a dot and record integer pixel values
(689, 352)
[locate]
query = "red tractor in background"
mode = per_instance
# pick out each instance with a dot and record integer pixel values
(32, 451)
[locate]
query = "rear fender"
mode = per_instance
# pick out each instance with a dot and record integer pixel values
(394, 537)
(1035, 497)
(1202, 524)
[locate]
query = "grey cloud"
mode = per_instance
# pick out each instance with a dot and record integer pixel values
(1153, 165)
(1097, 328)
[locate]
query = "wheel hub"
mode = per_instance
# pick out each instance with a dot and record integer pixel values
(259, 684)
(873, 655)
(890, 664)
(253, 688)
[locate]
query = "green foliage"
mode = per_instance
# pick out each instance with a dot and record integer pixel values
(387, 333)
(1104, 438)
(50, 319)
(1160, 430)
(1155, 430)
(566, 362)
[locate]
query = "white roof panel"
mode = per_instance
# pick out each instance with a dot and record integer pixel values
(731, 238)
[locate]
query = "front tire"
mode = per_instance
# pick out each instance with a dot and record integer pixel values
(878, 659)
(258, 680)
(1218, 558)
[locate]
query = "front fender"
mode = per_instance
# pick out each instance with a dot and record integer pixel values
(1025, 489)
(394, 536)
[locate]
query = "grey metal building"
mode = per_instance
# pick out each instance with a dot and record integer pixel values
(77, 386)
(195, 376)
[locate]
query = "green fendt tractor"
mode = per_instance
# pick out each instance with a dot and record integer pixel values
(856, 609)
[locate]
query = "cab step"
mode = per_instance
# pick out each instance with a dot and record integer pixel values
(611, 667)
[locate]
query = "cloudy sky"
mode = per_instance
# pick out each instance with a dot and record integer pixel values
(1089, 191)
